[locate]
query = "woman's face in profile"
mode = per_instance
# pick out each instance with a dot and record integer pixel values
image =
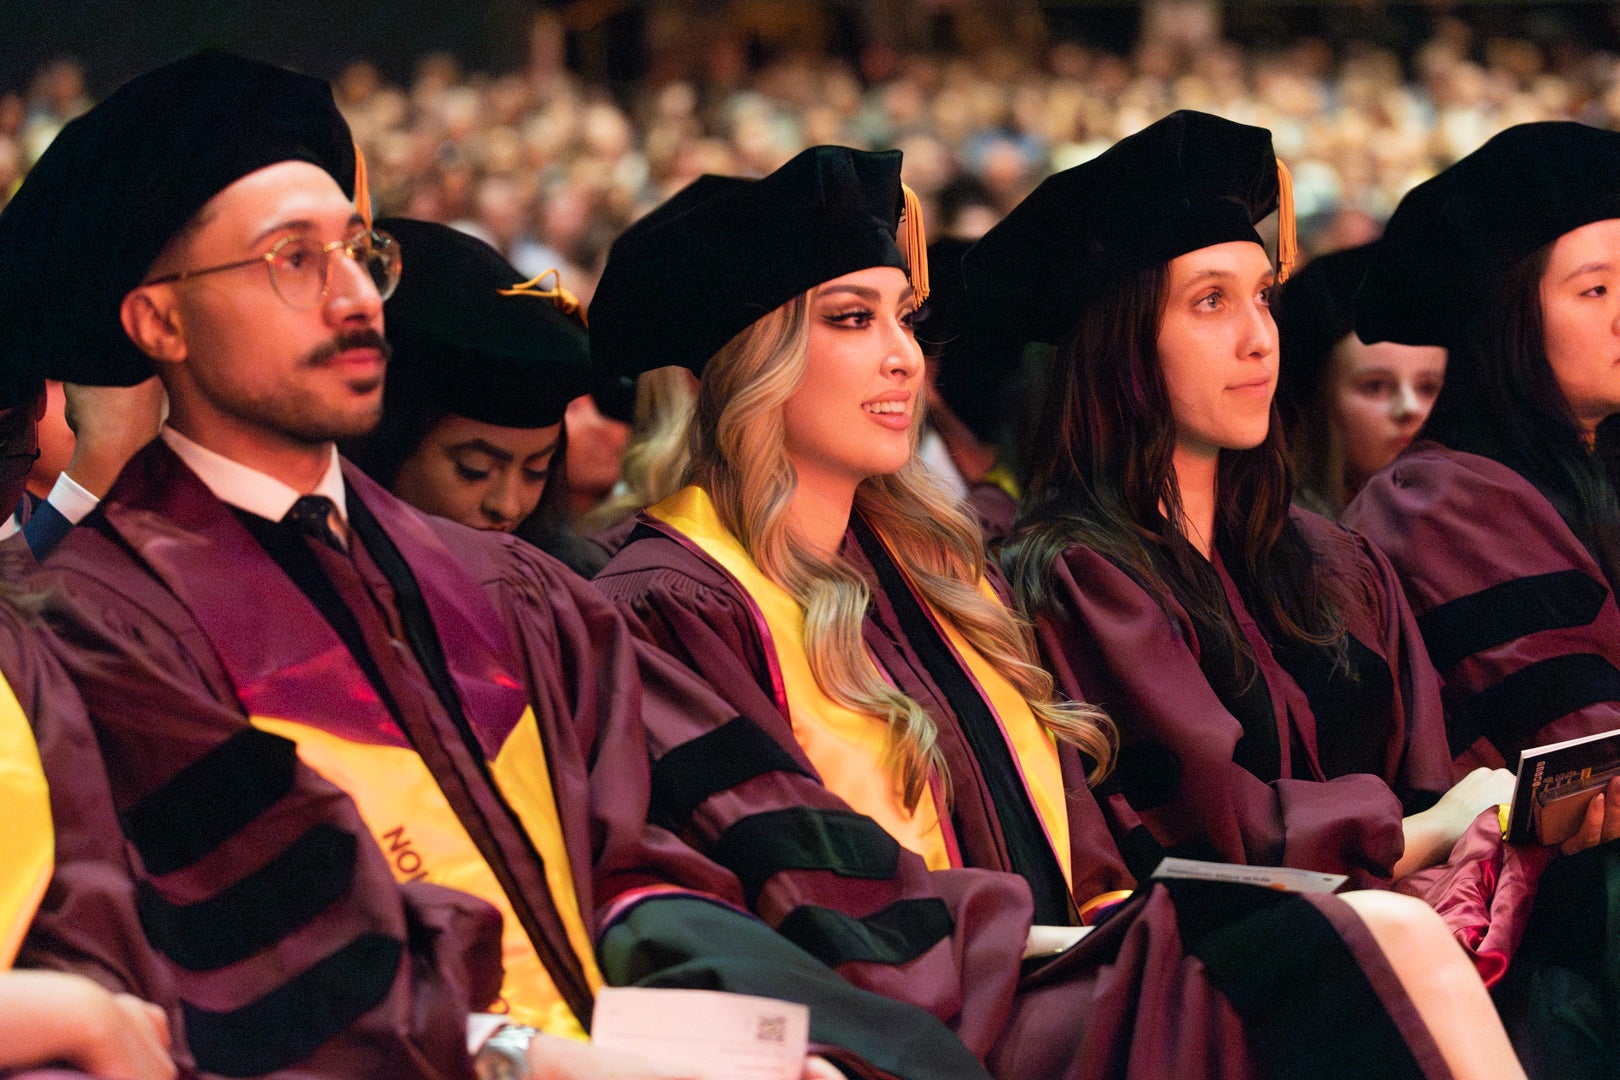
(482, 475)
(1378, 397)
(855, 412)
(1217, 347)
(1580, 307)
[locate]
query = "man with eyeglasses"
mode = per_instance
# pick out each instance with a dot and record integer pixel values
(304, 688)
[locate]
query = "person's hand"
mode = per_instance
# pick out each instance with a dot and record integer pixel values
(110, 423)
(819, 1068)
(48, 1016)
(1431, 834)
(133, 1042)
(1601, 823)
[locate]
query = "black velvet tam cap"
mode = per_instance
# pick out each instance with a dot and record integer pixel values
(1315, 311)
(1186, 182)
(723, 252)
(1451, 235)
(118, 182)
(467, 339)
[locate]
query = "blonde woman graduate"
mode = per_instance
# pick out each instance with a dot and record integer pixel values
(902, 793)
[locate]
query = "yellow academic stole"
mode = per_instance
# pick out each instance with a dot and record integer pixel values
(847, 747)
(424, 840)
(27, 843)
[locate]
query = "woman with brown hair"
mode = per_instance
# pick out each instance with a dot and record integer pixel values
(1274, 701)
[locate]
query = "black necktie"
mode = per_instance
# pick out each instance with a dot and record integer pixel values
(312, 514)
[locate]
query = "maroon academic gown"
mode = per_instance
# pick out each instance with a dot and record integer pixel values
(86, 922)
(1517, 615)
(1346, 754)
(1142, 996)
(181, 623)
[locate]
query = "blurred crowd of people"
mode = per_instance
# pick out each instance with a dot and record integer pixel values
(549, 167)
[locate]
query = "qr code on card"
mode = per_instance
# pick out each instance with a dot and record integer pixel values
(771, 1029)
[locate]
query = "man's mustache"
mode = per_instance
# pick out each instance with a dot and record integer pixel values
(353, 339)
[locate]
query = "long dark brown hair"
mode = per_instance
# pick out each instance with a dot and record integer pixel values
(1501, 400)
(1105, 478)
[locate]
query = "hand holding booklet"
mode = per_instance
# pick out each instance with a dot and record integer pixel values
(1556, 782)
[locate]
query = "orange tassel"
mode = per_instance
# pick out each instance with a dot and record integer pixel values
(1287, 234)
(362, 192)
(566, 302)
(914, 244)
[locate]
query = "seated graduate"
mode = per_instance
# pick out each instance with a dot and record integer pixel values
(319, 706)
(893, 793)
(1274, 701)
(108, 423)
(481, 372)
(1348, 407)
(1503, 521)
(66, 899)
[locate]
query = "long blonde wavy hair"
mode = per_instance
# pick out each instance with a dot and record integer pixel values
(738, 456)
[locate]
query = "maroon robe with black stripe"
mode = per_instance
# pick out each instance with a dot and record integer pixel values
(1333, 796)
(1518, 616)
(181, 624)
(1145, 995)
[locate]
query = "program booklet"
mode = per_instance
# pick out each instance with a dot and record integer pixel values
(1555, 782)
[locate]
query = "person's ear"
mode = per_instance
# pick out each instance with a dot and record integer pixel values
(151, 318)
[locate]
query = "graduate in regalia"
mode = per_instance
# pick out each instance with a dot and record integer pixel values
(375, 768)
(1348, 407)
(1502, 520)
(483, 366)
(1274, 701)
(901, 792)
(72, 952)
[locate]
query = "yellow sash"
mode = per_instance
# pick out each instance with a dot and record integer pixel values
(27, 842)
(846, 747)
(425, 841)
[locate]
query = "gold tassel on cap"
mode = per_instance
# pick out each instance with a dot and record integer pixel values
(362, 191)
(914, 244)
(1287, 234)
(566, 302)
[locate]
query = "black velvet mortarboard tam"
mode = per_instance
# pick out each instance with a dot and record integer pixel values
(1186, 182)
(118, 182)
(1315, 311)
(723, 252)
(1453, 234)
(974, 364)
(468, 340)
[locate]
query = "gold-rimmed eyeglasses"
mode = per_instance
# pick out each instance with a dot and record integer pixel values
(301, 268)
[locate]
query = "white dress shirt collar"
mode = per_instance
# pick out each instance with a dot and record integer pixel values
(249, 489)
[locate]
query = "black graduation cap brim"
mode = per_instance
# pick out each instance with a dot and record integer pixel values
(1186, 182)
(1452, 234)
(974, 364)
(510, 360)
(119, 181)
(724, 252)
(1315, 311)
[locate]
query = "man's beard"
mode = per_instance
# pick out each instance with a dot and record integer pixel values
(303, 418)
